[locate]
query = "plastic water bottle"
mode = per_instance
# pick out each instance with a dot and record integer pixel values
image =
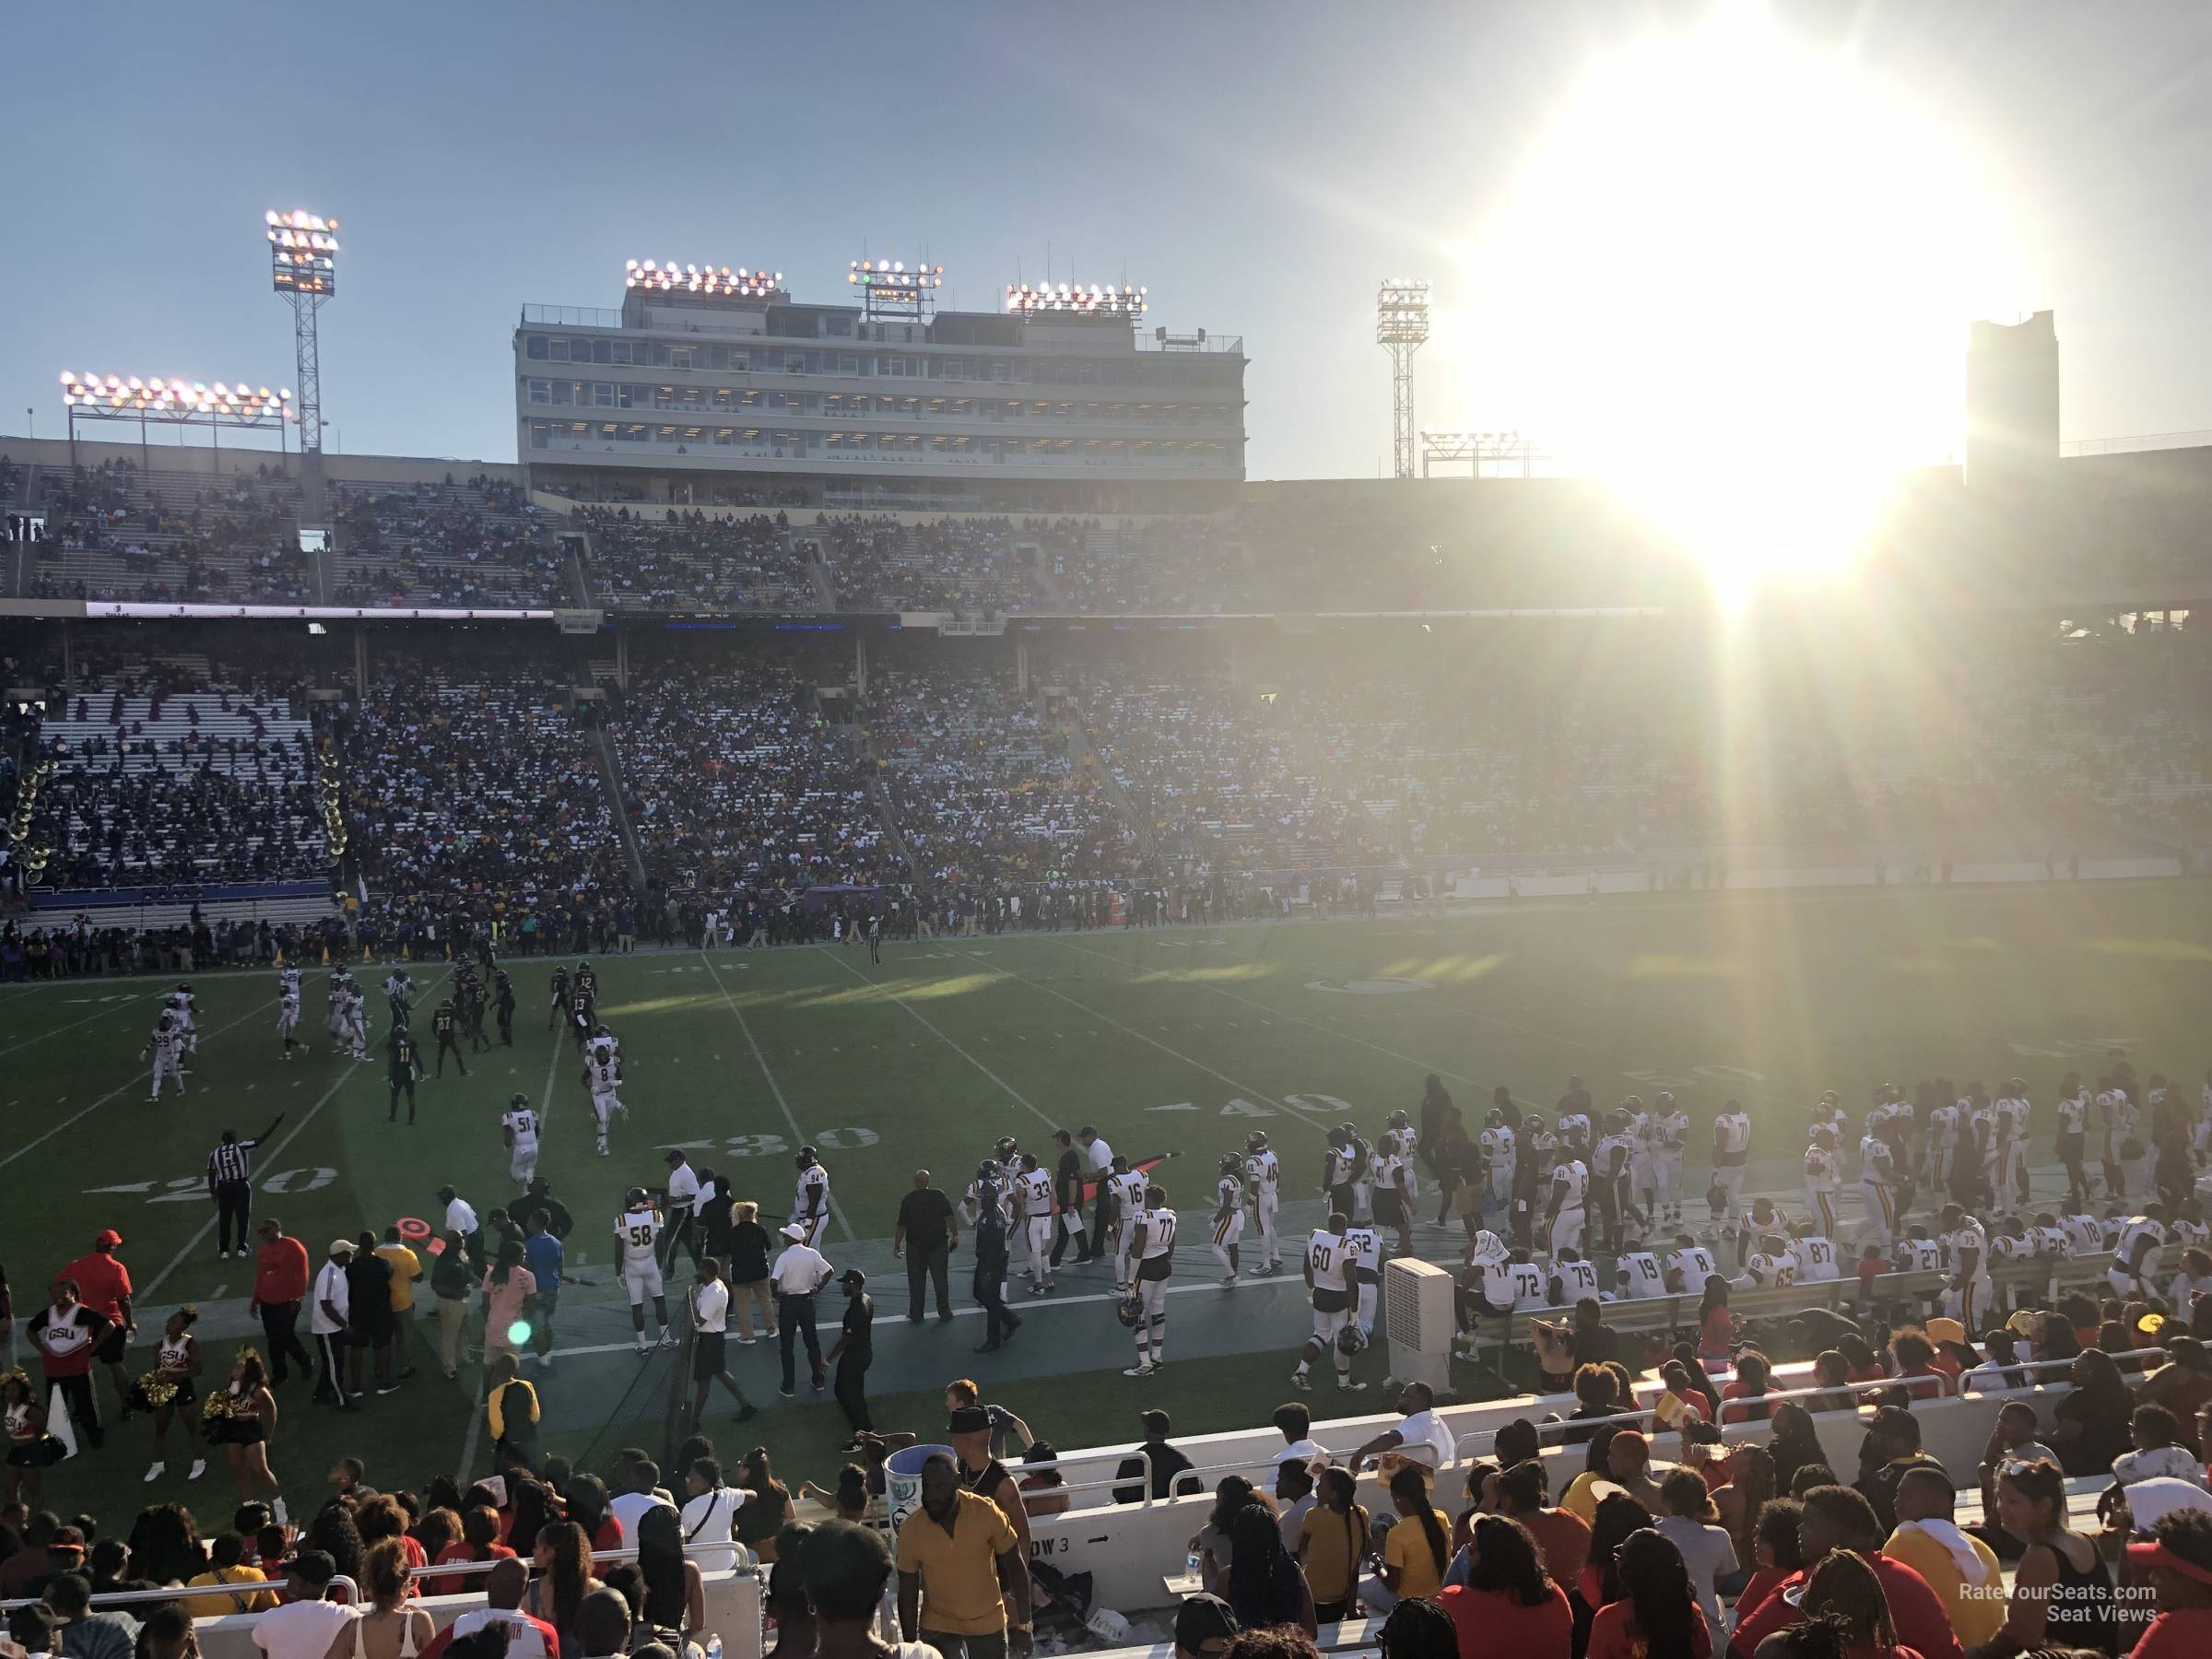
(1190, 1565)
(715, 1647)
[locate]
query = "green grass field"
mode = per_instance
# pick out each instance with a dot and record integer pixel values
(1173, 1040)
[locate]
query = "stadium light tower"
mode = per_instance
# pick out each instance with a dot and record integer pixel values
(304, 267)
(175, 403)
(889, 289)
(1401, 329)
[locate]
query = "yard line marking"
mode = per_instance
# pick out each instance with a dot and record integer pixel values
(124, 1006)
(774, 1087)
(1297, 1113)
(126, 1083)
(1012, 1093)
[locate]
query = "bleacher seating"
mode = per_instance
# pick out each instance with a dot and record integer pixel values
(476, 544)
(693, 560)
(157, 787)
(114, 532)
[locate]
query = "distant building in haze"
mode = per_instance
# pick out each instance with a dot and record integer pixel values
(2011, 400)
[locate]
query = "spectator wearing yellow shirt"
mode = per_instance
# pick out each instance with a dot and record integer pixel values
(963, 1584)
(1959, 1568)
(406, 1267)
(1416, 1550)
(226, 1552)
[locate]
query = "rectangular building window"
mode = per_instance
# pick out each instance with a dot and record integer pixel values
(541, 392)
(533, 346)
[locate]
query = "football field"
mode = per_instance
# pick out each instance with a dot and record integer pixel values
(1176, 1040)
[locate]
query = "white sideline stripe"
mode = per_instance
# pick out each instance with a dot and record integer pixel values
(1020, 1308)
(1013, 1093)
(774, 1087)
(127, 1083)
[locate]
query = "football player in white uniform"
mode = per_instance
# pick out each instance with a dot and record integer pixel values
(2117, 1114)
(1762, 1222)
(1126, 1190)
(518, 1128)
(1611, 1177)
(1642, 1277)
(1563, 1219)
(1573, 1278)
(1154, 1248)
(1330, 1286)
(180, 1003)
(1641, 1178)
(1731, 1152)
(638, 1237)
(2136, 1258)
(1770, 1265)
(1878, 1187)
(1941, 1149)
(165, 1047)
(810, 1197)
(1263, 1186)
(1688, 1265)
(1034, 1208)
(2083, 1236)
(1498, 1144)
(287, 1009)
(1968, 1298)
(603, 1077)
(1916, 1252)
(1670, 1140)
(1366, 1245)
(1229, 1217)
(1390, 1180)
(1813, 1254)
(2051, 1243)
(1822, 1177)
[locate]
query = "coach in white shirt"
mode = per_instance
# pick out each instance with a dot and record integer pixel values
(798, 1276)
(460, 1218)
(326, 1322)
(1100, 1157)
(683, 1209)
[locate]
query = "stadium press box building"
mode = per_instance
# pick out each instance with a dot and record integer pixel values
(713, 387)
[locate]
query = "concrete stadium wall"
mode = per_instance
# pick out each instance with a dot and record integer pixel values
(1469, 884)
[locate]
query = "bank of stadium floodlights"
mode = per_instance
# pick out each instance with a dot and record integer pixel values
(1402, 329)
(1486, 454)
(889, 291)
(175, 403)
(303, 269)
(1084, 299)
(714, 282)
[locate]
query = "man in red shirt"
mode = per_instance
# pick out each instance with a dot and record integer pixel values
(2178, 1561)
(103, 1284)
(281, 1280)
(1836, 1517)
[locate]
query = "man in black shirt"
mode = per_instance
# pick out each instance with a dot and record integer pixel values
(539, 1200)
(1166, 1462)
(852, 1353)
(991, 1272)
(502, 1000)
(1068, 1183)
(369, 1315)
(927, 1233)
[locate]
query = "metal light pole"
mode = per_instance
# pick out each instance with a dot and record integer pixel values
(1402, 329)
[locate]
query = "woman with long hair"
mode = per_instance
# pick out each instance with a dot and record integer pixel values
(532, 1509)
(1334, 1544)
(173, 1387)
(389, 1627)
(383, 1517)
(1618, 1515)
(763, 1516)
(165, 1544)
(479, 1541)
(1831, 1370)
(1845, 1594)
(1508, 1609)
(437, 1532)
(562, 1579)
(2091, 1426)
(1745, 1399)
(1263, 1585)
(676, 1595)
(1751, 1481)
(1795, 1440)
(1417, 1550)
(587, 1507)
(2062, 1591)
(1716, 1325)
(1775, 1551)
(331, 1531)
(1657, 1616)
(243, 1423)
(1231, 1493)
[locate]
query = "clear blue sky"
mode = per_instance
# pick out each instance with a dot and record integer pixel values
(1258, 166)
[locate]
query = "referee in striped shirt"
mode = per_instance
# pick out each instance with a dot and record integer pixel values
(231, 1184)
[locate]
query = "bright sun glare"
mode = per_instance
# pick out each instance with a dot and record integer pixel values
(1735, 284)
